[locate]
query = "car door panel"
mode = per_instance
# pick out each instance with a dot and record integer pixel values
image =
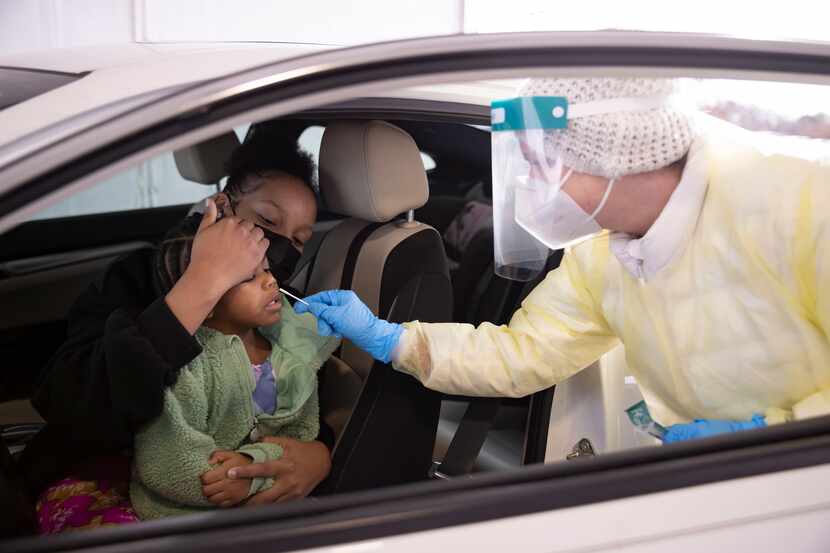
(677, 521)
(715, 489)
(44, 266)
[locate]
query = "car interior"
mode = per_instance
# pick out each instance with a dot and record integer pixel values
(409, 231)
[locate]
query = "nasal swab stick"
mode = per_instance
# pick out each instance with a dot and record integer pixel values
(290, 295)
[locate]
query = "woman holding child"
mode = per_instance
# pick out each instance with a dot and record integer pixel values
(138, 335)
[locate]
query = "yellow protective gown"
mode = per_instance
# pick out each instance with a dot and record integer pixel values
(735, 324)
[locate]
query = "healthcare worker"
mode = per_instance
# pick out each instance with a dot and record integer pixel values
(690, 242)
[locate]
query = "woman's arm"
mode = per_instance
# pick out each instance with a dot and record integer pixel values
(125, 345)
(175, 451)
(172, 451)
(123, 348)
(302, 467)
(299, 467)
(223, 255)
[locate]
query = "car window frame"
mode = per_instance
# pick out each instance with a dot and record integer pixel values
(351, 71)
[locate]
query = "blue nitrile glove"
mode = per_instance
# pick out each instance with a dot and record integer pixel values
(703, 428)
(341, 313)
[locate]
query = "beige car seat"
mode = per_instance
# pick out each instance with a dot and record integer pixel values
(372, 172)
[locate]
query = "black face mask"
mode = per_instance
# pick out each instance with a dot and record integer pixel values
(282, 256)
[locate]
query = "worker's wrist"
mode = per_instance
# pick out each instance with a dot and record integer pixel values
(389, 334)
(397, 350)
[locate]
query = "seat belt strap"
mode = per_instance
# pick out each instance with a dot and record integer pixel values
(469, 438)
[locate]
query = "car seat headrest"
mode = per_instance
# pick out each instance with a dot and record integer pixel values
(371, 170)
(205, 162)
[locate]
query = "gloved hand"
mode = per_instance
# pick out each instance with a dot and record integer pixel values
(702, 428)
(341, 313)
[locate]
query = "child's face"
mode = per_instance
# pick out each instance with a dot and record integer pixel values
(252, 303)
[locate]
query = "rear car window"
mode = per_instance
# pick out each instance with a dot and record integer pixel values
(18, 85)
(152, 183)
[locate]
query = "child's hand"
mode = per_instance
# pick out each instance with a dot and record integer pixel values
(217, 487)
(303, 465)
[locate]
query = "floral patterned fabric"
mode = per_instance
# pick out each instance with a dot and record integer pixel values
(74, 504)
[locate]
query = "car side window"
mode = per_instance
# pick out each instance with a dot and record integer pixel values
(153, 183)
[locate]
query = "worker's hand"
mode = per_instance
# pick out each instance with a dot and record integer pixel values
(341, 313)
(217, 487)
(703, 428)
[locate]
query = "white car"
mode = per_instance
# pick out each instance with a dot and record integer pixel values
(102, 149)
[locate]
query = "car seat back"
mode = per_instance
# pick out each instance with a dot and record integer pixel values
(372, 172)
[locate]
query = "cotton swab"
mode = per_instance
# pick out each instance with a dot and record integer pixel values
(290, 295)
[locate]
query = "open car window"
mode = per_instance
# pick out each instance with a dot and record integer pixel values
(153, 183)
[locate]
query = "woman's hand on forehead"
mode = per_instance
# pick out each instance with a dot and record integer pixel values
(226, 252)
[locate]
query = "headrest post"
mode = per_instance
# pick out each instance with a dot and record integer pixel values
(409, 221)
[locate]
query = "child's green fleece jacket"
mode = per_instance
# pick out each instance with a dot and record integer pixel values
(210, 408)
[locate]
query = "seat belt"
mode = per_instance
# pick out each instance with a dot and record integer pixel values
(469, 438)
(346, 279)
(299, 280)
(481, 412)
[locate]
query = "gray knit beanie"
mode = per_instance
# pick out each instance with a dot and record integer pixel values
(615, 144)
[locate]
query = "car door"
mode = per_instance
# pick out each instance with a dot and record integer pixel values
(744, 491)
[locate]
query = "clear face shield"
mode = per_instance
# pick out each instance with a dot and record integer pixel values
(532, 213)
(533, 210)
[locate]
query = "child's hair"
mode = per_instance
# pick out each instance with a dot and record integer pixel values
(265, 153)
(173, 253)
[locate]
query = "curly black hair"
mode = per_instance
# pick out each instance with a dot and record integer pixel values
(173, 253)
(262, 154)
